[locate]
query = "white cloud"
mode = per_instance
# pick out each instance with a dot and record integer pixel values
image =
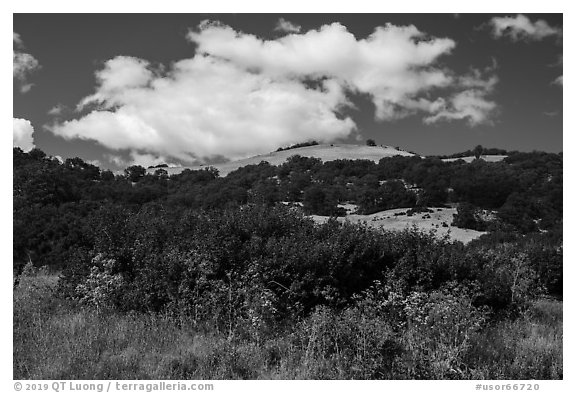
(22, 134)
(520, 27)
(117, 160)
(470, 105)
(17, 39)
(142, 159)
(94, 162)
(147, 160)
(119, 76)
(23, 64)
(241, 95)
(395, 65)
(26, 87)
(330, 51)
(559, 62)
(559, 81)
(206, 107)
(286, 26)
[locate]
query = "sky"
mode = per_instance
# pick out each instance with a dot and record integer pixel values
(124, 89)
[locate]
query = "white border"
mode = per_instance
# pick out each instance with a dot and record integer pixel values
(307, 6)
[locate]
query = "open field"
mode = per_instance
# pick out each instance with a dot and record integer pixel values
(324, 152)
(396, 221)
(56, 339)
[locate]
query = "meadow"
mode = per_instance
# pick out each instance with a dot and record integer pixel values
(56, 339)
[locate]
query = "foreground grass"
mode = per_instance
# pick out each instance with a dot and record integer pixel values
(55, 339)
(527, 348)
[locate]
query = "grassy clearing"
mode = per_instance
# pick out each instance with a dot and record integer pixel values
(55, 339)
(439, 221)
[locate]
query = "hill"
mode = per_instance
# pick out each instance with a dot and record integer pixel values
(469, 159)
(325, 152)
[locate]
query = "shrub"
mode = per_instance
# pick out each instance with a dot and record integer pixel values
(102, 286)
(346, 345)
(440, 326)
(505, 276)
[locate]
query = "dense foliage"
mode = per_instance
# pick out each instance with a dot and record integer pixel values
(479, 151)
(158, 260)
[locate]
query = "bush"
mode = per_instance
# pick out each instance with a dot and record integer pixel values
(468, 217)
(191, 262)
(102, 286)
(505, 275)
(346, 345)
(298, 145)
(440, 327)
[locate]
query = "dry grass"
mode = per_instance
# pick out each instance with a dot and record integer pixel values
(469, 159)
(55, 339)
(324, 152)
(529, 347)
(433, 222)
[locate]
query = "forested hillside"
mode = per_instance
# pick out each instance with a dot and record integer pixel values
(54, 203)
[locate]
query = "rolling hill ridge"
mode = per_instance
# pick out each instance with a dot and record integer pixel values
(326, 152)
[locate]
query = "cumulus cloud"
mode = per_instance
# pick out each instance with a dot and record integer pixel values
(520, 27)
(395, 65)
(241, 95)
(286, 26)
(206, 107)
(22, 134)
(120, 75)
(23, 64)
(470, 105)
